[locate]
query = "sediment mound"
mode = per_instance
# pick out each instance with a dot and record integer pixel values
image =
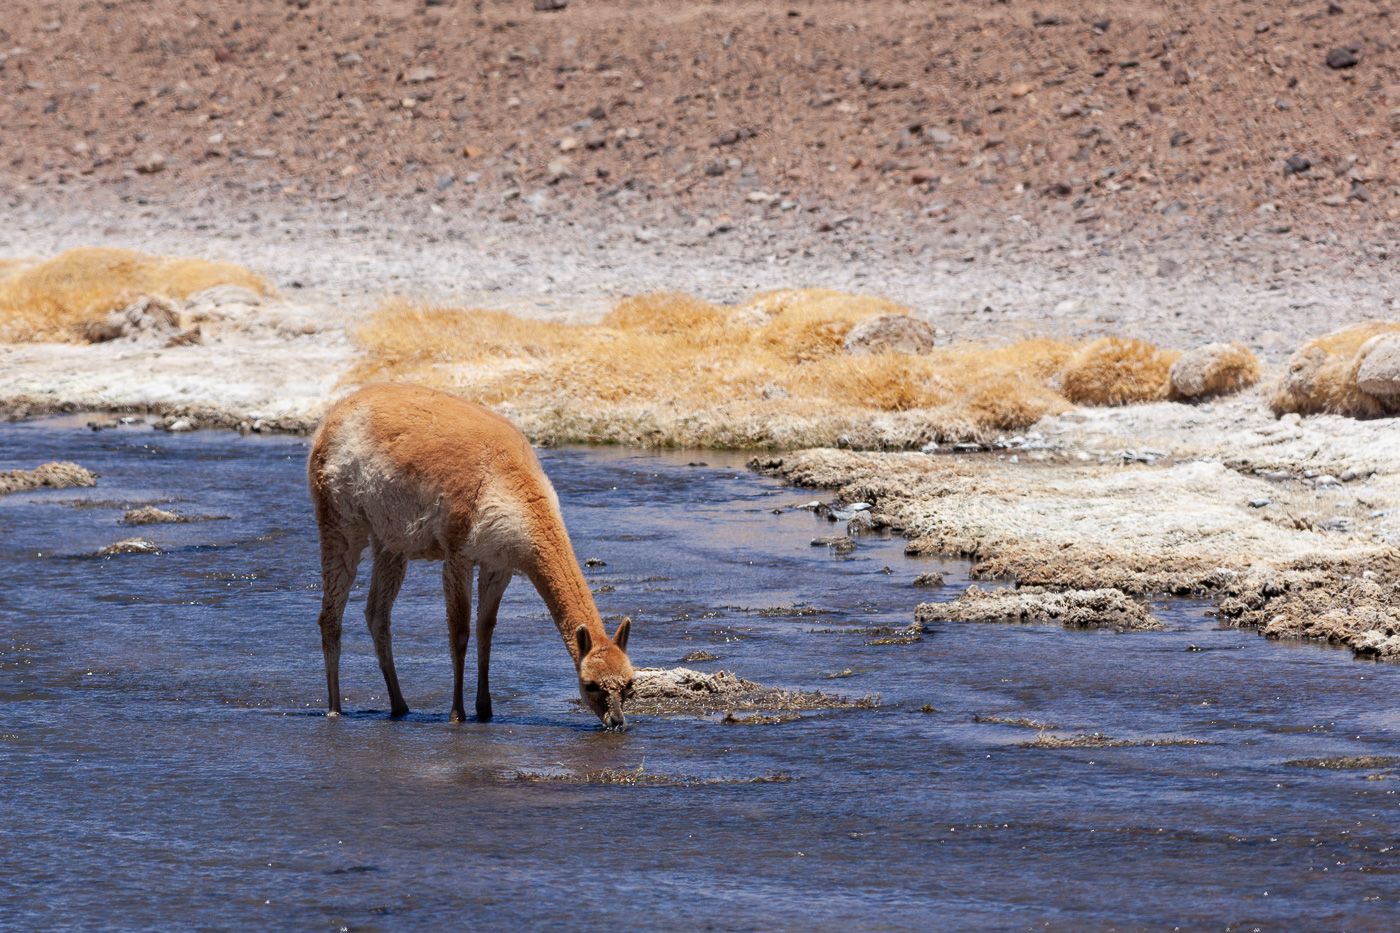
(683, 691)
(1101, 608)
(1359, 609)
(55, 475)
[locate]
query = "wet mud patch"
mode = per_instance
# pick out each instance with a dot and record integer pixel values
(1099, 740)
(1346, 762)
(1075, 609)
(760, 719)
(681, 691)
(640, 777)
(1019, 722)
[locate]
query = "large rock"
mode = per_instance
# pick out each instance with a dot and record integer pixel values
(1379, 372)
(1214, 369)
(890, 333)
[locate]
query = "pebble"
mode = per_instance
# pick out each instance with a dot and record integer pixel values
(1260, 503)
(1342, 57)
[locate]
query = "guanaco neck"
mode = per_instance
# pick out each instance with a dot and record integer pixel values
(553, 568)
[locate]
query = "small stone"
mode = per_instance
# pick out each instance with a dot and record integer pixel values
(151, 164)
(931, 580)
(1296, 165)
(1342, 57)
(595, 562)
(1259, 503)
(349, 59)
(550, 6)
(1022, 88)
(890, 333)
(419, 75)
(568, 144)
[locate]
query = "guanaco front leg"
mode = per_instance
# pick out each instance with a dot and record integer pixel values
(457, 588)
(490, 589)
(340, 556)
(389, 569)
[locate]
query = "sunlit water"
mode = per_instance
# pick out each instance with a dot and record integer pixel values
(164, 760)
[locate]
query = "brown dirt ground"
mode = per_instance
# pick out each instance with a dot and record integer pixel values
(1112, 115)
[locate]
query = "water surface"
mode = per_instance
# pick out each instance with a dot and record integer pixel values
(164, 758)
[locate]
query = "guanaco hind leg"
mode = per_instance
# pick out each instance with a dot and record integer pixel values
(389, 570)
(340, 557)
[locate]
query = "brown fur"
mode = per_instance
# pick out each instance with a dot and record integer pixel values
(420, 474)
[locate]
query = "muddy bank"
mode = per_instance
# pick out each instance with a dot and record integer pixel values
(1296, 553)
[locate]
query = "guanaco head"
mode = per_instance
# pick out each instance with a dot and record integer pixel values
(605, 674)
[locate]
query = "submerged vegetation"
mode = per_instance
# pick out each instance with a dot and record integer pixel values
(62, 299)
(670, 369)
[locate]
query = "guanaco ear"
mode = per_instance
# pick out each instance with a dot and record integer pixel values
(584, 640)
(623, 630)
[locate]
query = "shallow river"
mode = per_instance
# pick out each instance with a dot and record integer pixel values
(164, 759)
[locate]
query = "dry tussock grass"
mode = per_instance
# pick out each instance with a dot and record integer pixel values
(1321, 377)
(668, 369)
(58, 299)
(1117, 371)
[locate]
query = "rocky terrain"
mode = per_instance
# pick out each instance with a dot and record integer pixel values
(1232, 114)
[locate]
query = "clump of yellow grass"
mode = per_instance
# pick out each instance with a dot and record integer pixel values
(671, 370)
(59, 299)
(1117, 371)
(1321, 377)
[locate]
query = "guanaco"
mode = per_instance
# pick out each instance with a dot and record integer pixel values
(419, 474)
